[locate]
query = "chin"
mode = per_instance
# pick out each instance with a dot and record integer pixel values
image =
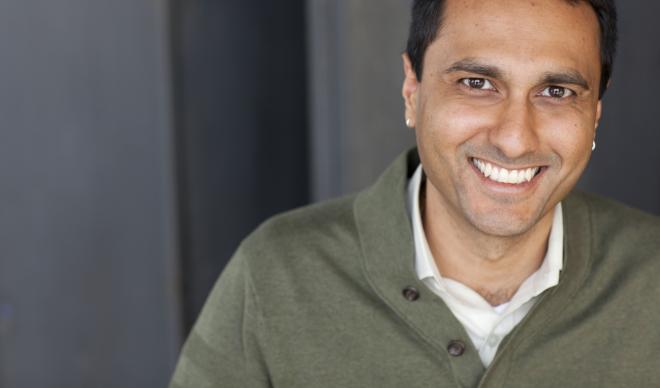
(501, 227)
(503, 223)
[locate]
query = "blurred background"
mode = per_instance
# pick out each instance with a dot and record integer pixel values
(141, 140)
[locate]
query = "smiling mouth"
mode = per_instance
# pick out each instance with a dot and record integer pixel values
(502, 175)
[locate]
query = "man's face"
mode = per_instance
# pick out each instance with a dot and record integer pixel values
(506, 111)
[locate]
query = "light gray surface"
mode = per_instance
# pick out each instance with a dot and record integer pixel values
(87, 233)
(326, 69)
(357, 112)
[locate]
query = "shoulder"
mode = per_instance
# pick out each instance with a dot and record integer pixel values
(301, 228)
(612, 220)
(303, 244)
(624, 242)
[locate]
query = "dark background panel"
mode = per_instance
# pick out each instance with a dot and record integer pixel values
(242, 122)
(626, 163)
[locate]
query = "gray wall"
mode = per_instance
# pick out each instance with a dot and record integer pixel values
(88, 293)
(626, 164)
(357, 111)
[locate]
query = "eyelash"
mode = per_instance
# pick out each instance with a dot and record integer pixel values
(567, 92)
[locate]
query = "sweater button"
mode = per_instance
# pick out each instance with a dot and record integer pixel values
(456, 348)
(411, 294)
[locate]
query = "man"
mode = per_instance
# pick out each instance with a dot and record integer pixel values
(476, 267)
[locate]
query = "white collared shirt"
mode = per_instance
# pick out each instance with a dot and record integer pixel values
(485, 324)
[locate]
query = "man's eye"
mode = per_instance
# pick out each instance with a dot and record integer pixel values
(477, 83)
(557, 92)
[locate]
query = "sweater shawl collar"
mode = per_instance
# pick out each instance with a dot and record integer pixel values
(387, 258)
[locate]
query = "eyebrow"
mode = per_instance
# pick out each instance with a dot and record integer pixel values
(571, 77)
(473, 65)
(470, 65)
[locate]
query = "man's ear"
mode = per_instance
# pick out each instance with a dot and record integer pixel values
(409, 91)
(599, 112)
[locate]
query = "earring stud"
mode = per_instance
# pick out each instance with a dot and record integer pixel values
(593, 146)
(408, 123)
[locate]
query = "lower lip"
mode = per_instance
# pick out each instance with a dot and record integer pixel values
(508, 187)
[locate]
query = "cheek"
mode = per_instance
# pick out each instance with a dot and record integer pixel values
(448, 124)
(570, 139)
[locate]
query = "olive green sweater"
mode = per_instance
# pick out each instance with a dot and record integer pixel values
(323, 297)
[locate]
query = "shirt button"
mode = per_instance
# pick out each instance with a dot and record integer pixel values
(411, 294)
(456, 348)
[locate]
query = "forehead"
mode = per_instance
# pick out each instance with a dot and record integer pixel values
(555, 31)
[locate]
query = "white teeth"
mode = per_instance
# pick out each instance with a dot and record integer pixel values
(529, 174)
(513, 176)
(502, 175)
(489, 170)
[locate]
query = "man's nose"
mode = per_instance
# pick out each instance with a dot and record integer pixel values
(515, 132)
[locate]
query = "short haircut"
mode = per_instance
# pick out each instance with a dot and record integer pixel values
(427, 20)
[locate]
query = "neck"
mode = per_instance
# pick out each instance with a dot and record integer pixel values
(493, 266)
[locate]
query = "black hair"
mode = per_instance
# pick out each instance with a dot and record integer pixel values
(427, 20)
